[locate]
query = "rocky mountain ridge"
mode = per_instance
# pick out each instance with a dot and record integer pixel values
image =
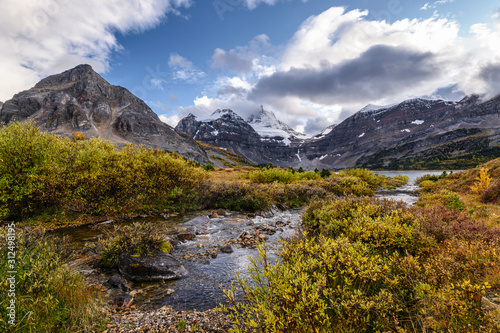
(80, 100)
(375, 137)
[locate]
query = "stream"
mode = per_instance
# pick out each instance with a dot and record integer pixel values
(201, 288)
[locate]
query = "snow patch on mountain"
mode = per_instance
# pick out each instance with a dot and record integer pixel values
(324, 132)
(417, 122)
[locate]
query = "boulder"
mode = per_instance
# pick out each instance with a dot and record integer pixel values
(123, 301)
(116, 281)
(227, 249)
(158, 266)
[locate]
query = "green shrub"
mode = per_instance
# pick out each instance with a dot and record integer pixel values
(430, 177)
(320, 285)
(136, 239)
(346, 185)
(384, 224)
(364, 174)
(234, 196)
(209, 167)
(39, 170)
(325, 173)
(49, 297)
(31, 165)
(442, 197)
(267, 176)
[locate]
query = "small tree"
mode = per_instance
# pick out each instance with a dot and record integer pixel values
(300, 170)
(325, 173)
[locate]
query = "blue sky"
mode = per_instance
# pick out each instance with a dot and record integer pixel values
(312, 62)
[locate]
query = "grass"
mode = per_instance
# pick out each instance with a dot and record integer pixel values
(49, 297)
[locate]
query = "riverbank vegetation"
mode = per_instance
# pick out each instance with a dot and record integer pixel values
(49, 296)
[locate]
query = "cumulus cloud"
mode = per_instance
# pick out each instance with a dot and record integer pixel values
(184, 70)
(38, 38)
(381, 70)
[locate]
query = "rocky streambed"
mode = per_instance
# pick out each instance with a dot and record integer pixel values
(211, 247)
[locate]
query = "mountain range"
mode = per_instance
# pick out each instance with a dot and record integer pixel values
(416, 133)
(410, 134)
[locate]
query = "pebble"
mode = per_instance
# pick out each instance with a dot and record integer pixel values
(166, 320)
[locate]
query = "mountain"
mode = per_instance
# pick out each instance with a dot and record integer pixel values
(226, 129)
(401, 135)
(416, 133)
(269, 127)
(81, 100)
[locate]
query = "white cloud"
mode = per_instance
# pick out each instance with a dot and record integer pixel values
(177, 61)
(38, 38)
(172, 120)
(434, 5)
(184, 70)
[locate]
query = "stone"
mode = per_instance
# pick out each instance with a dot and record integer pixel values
(158, 266)
(186, 236)
(116, 281)
(227, 249)
(122, 301)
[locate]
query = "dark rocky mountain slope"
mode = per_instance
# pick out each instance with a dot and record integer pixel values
(81, 100)
(226, 129)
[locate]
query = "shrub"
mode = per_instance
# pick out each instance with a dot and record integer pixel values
(31, 166)
(49, 297)
(445, 224)
(492, 194)
(382, 223)
(364, 174)
(39, 170)
(346, 185)
(267, 176)
(430, 177)
(136, 239)
(368, 265)
(325, 173)
(441, 198)
(77, 136)
(234, 196)
(321, 285)
(209, 167)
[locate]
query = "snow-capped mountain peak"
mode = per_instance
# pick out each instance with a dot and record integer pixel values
(224, 113)
(270, 127)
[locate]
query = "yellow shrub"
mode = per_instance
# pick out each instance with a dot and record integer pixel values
(482, 182)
